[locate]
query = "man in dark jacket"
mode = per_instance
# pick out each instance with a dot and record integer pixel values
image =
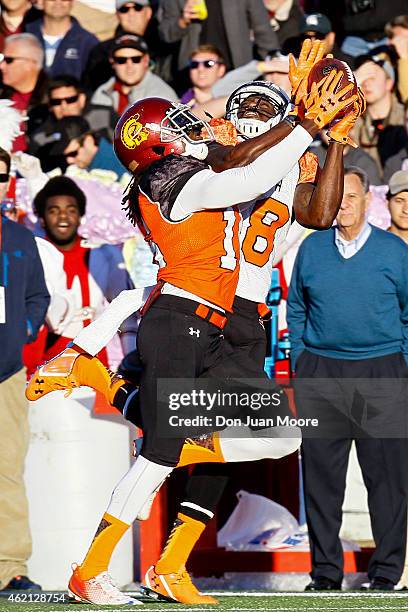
(134, 18)
(66, 43)
(227, 26)
(67, 98)
(24, 301)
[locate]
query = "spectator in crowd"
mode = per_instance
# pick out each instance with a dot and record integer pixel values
(347, 318)
(285, 16)
(15, 14)
(362, 22)
(78, 145)
(273, 69)
(206, 67)
(227, 26)
(66, 98)
(359, 24)
(91, 151)
(317, 26)
(96, 16)
(397, 32)
(132, 78)
(94, 275)
(276, 70)
(134, 18)
(67, 45)
(397, 161)
(397, 197)
(24, 82)
(352, 157)
(23, 304)
(380, 130)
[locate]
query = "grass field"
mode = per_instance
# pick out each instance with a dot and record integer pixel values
(243, 602)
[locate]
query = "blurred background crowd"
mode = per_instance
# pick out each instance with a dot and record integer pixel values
(68, 69)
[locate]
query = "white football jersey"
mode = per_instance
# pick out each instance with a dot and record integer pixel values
(265, 225)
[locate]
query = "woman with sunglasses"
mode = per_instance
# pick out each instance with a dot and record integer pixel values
(206, 67)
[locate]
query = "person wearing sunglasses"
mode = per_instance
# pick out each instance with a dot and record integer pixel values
(233, 27)
(134, 17)
(206, 67)
(316, 26)
(76, 144)
(67, 98)
(24, 83)
(67, 44)
(132, 78)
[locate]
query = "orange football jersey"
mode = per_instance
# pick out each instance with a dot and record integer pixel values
(199, 254)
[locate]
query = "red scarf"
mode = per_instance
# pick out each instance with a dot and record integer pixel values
(123, 98)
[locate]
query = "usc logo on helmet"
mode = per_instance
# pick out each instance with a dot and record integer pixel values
(133, 133)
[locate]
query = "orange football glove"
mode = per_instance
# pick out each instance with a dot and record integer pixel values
(310, 54)
(362, 101)
(340, 131)
(224, 132)
(323, 103)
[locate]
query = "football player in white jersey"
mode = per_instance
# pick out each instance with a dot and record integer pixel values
(253, 109)
(62, 377)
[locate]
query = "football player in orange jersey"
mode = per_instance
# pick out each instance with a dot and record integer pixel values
(252, 108)
(180, 334)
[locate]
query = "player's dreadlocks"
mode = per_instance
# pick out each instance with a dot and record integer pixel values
(130, 202)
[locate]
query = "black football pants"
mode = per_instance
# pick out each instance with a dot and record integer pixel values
(245, 344)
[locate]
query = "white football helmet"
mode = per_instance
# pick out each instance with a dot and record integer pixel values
(248, 127)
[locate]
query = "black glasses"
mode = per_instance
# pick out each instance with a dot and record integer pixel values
(135, 59)
(8, 59)
(4, 177)
(68, 100)
(314, 35)
(134, 7)
(72, 153)
(194, 64)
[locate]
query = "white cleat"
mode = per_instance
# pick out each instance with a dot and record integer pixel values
(99, 590)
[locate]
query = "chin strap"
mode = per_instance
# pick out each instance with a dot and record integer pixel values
(199, 150)
(249, 128)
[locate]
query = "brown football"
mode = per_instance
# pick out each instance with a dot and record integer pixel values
(324, 67)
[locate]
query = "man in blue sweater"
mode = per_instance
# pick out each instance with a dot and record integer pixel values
(24, 301)
(348, 319)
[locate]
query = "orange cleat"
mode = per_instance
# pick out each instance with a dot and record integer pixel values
(69, 370)
(173, 587)
(99, 590)
(202, 449)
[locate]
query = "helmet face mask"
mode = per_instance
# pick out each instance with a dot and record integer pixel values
(181, 122)
(153, 128)
(248, 127)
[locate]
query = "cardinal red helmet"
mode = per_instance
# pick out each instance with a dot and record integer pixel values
(153, 128)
